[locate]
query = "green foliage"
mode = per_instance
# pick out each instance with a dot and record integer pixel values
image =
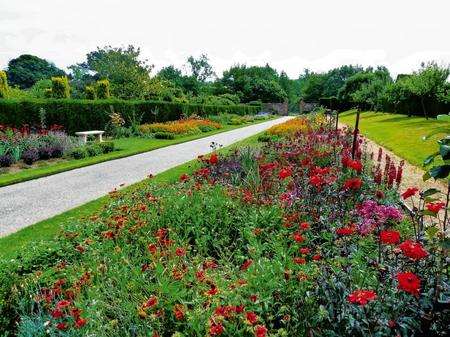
(164, 135)
(127, 73)
(107, 147)
(200, 68)
(253, 83)
(39, 89)
(26, 70)
(102, 89)
(79, 152)
(4, 88)
(90, 92)
(60, 87)
(76, 114)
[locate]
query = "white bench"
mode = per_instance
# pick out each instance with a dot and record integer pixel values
(85, 134)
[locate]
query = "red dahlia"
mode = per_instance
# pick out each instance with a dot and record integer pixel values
(409, 282)
(411, 191)
(251, 317)
(413, 250)
(362, 297)
(345, 231)
(390, 237)
(214, 159)
(216, 329)
(246, 264)
(284, 173)
(260, 331)
(435, 207)
(353, 184)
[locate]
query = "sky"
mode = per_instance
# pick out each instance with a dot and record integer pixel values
(290, 35)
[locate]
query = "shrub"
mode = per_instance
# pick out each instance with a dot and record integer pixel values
(6, 160)
(206, 128)
(77, 114)
(90, 92)
(102, 89)
(164, 135)
(107, 147)
(45, 152)
(94, 150)
(30, 156)
(60, 87)
(79, 152)
(3, 85)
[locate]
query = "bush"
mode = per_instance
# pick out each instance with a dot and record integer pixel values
(206, 128)
(107, 147)
(94, 150)
(103, 89)
(3, 85)
(6, 160)
(60, 87)
(164, 135)
(79, 152)
(76, 115)
(90, 92)
(30, 156)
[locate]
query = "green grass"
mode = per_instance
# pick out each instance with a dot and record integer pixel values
(12, 245)
(399, 133)
(125, 147)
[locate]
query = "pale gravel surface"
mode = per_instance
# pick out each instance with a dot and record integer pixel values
(412, 175)
(32, 201)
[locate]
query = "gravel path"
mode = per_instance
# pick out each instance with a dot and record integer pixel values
(29, 202)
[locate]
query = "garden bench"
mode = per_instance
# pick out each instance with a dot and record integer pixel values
(85, 134)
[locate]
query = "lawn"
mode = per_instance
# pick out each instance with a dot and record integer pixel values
(125, 147)
(401, 134)
(12, 245)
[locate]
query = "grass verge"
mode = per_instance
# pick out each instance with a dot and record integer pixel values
(127, 147)
(13, 244)
(399, 133)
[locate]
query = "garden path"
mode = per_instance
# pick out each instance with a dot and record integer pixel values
(412, 175)
(32, 201)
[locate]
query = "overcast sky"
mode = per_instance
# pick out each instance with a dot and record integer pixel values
(289, 35)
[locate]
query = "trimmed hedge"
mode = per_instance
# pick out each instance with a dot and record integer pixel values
(79, 115)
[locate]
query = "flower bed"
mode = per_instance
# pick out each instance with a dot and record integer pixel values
(31, 145)
(294, 238)
(181, 127)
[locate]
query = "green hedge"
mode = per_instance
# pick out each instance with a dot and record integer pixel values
(79, 115)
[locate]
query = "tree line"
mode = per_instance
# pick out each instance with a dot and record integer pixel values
(121, 72)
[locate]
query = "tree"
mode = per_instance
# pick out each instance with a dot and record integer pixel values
(200, 68)
(128, 75)
(253, 83)
(313, 87)
(429, 83)
(38, 90)
(26, 70)
(4, 88)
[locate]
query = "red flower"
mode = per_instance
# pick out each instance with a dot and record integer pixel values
(353, 184)
(353, 164)
(260, 331)
(216, 329)
(413, 250)
(298, 237)
(284, 173)
(80, 322)
(251, 317)
(345, 231)
(390, 237)
(214, 159)
(178, 311)
(435, 207)
(152, 301)
(61, 326)
(362, 297)
(316, 181)
(184, 177)
(57, 313)
(299, 260)
(304, 225)
(409, 282)
(304, 250)
(62, 304)
(246, 264)
(180, 251)
(316, 257)
(152, 248)
(253, 298)
(411, 191)
(212, 291)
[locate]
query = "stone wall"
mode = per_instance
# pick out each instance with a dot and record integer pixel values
(276, 108)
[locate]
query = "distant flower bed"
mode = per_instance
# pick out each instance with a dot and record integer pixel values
(290, 127)
(181, 127)
(31, 145)
(294, 238)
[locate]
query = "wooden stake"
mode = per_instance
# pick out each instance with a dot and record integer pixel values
(355, 134)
